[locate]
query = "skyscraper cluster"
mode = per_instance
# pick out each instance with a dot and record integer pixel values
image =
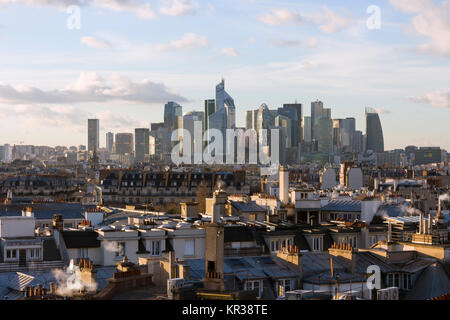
(317, 134)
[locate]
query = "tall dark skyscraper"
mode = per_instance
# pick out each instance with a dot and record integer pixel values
(374, 132)
(124, 143)
(210, 108)
(142, 143)
(172, 112)
(294, 112)
(93, 135)
(110, 142)
(316, 114)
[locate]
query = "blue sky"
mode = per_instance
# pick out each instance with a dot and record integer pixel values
(130, 56)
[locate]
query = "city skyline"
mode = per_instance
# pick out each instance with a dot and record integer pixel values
(273, 52)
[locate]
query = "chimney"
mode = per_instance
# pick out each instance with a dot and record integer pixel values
(292, 256)
(430, 223)
(346, 253)
(376, 185)
(52, 288)
(58, 222)
(184, 271)
(27, 292)
(171, 264)
(389, 232)
(421, 224)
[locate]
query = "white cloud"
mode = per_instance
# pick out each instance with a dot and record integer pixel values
(188, 41)
(58, 116)
(383, 111)
(313, 43)
(68, 118)
(91, 87)
(331, 22)
(229, 52)
(140, 8)
(437, 99)
(93, 42)
(281, 16)
(431, 20)
(177, 8)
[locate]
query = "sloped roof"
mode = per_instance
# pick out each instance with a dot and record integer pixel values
(340, 276)
(318, 262)
(46, 211)
(247, 207)
(343, 206)
(19, 281)
(432, 283)
(245, 268)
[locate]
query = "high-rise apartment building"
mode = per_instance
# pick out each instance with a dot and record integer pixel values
(142, 143)
(172, 112)
(224, 115)
(124, 143)
(325, 135)
(358, 145)
(189, 122)
(374, 132)
(251, 117)
(93, 135)
(307, 129)
(294, 112)
(316, 113)
(110, 142)
(210, 108)
(344, 134)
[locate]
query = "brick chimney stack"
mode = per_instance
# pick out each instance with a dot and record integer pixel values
(347, 254)
(58, 222)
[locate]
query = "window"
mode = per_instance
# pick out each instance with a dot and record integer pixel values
(397, 280)
(289, 242)
(394, 280)
(155, 248)
(317, 244)
(406, 281)
(284, 286)
(254, 285)
(275, 245)
(189, 248)
(11, 254)
(120, 249)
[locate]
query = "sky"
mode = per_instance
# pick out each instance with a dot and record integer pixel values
(64, 61)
